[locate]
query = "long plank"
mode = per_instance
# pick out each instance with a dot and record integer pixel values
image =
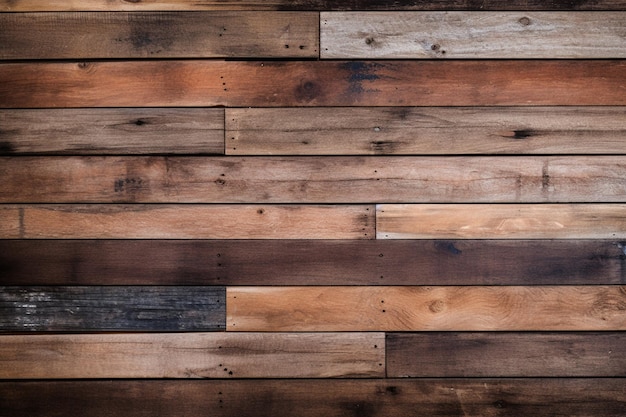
(372, 179)
(193, 355)
(577, 397)
(87, 35)
(471, 35)
(496, 221)
(112, 131)
(505, 354)
(191, 222)
(312, 262)
(146, 308)
(436, 308)
(425, 130)
(317, 83)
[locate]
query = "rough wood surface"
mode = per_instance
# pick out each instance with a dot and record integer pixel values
(425, 130)
(112, 131)
(10, 222)
(314, 83)
(508, 221)
(193, 355)
(506, 354)
(471, 35)
(146, 308)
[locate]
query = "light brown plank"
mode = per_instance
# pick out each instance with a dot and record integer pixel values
(510, 221)
(195, 222)
(112, 131)
(471, 35)
(425, 131)
(193, 355)
(425, 308)
(315, 83)
(10, 221)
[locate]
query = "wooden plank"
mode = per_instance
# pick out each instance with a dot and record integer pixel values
(510, 221)
(425, 131)
(317, 83)
(11, 221)
(312, 262)
(147, 308)
(465, 308)
(112, 131)
(193, 355)
(397, 179)
(487, 354)
(85, 35)
(471, 35)
(196, 222)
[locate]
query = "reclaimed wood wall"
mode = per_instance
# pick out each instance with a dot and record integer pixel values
(312, 208)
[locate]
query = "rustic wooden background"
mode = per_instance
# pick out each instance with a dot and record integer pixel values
(312, 208)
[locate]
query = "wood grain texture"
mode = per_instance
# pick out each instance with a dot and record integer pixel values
(506, 354)
(471, 35)
(425, 130)
(317, 83)
(425, 308)
(158, 35)
(312, 262)
(112, 131)
(193, 355)
(195, 222)
(10, 221)
(146, 308)
(510, 221)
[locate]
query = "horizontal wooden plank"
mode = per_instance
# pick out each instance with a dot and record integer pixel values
(112, 131)
(10, 222)
(193, 355)
(81, 308)
(471, 35)
(508, 221)
(211, 221)
(424, 130)
(434, 308)
(312, 262)
(506, 354)
(371, 179)
(316, 83)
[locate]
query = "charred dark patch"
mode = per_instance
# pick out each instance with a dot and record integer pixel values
(522, 134)
(6, 148)
(140, 122)
(448, 247)
(358, 72)
(307, 91)
(381, 146)
(393, 390)
(127, 185)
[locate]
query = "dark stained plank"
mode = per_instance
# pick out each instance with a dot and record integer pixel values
(112, 131)
(575, 397)
(487, 354)
(316, 83)
(312, 262)
(145, 308)
(99, 35)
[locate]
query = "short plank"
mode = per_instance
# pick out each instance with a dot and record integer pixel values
(147, 308)
(465, 308)
(193, 355)
(196, 222)
(112, 131)
(312, 262)
(11, 221)
(85, 35)
(309, 179)
(505, 354)
(315, 83)
(509, 221)
(471, 35)
(425, 131)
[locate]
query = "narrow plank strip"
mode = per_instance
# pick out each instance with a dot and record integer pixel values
(471, 35)
(10, 222)
(506, 354)
(423, 130)
(112, 131)
(193, 355)
(425, 308)
(320, 83)
(196, 222)
(312, 262)
(27, 309)
(510, 221)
